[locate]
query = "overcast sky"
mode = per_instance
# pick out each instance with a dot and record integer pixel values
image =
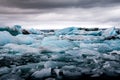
(45, 14)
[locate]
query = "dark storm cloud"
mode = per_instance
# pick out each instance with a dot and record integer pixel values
(44, 4)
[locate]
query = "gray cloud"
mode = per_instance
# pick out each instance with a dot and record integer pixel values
(44, 4)
(53, 12)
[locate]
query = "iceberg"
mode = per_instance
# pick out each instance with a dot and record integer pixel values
(109, 32)
(57, 45)
(73, 75)
(34, 31)
(114, 44)
(44, 73)
(94, 33)
(53, 64)
(4, 70)
(21, 48)
(11, 77)
(15, 30)
(100, 47)
(50, 38)
(86, 38)
(80, 52)
(6, 37)
(25, 39)
(66, 31)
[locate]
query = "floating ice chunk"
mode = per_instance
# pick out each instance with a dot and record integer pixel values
(74, 75)
(44, 73)
(80, 52)
(108, 57)
(27, 68)
(94, 33)
(116, 52)
(53, 44)
(6, 37)
(50, 78)
(96, 72)
(50, 38)
(89, 52)
(108, 69)
(11, 77)
(87, 38)
(58, 57)
(35, 44)
(57, 45)
(114, 44)
(100, 47)
(34, 31)
(69, 68)
(109, 32)
(52, 64)
(25, 39)
(15, 30)
(4, 70)
(22, 48)
(104, 48)
(68, 31)
(37, 37)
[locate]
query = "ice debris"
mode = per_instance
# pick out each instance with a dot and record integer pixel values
(68, 53)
